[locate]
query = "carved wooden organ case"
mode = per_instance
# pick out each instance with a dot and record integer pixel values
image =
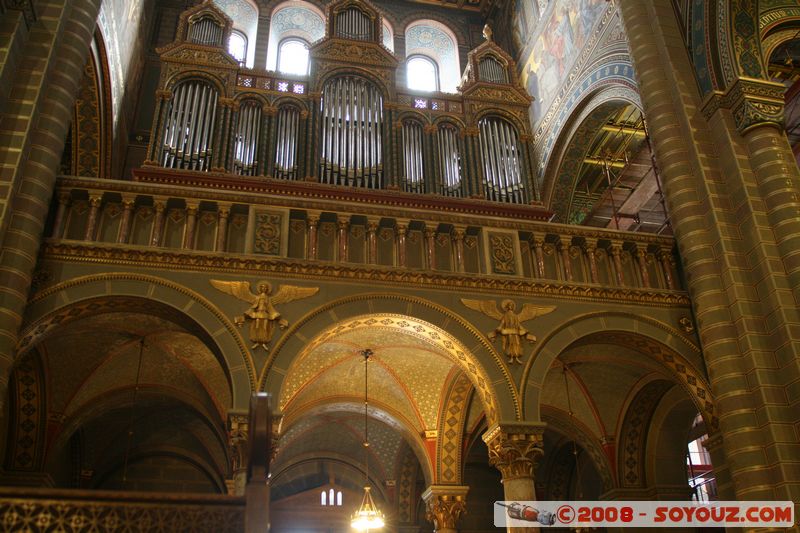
(345, 124)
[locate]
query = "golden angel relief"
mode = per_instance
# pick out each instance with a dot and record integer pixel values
(510, 327)
(262, 316)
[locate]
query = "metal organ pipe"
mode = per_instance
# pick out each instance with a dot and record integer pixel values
(499, 147)
(352, 113)
(205, 31)
(449, 161)
(248, 133)
(286, 148)
(353, 24)
(492, 70)
(190, 123)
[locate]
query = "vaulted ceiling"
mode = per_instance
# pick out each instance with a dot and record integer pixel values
(468, 5)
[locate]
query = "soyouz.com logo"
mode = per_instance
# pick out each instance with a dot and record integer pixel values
(644, 514)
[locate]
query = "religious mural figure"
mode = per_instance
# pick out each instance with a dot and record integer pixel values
(262, 315)
(510, 327)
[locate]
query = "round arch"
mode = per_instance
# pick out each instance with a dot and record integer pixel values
(95, 294)
(664, 345)
(464, 344)
(435, 40)
(293, 18)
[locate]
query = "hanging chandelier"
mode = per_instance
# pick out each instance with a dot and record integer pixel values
(367, 516)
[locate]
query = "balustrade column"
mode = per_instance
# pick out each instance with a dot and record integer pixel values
(563, 247)
(616, 254)
(163, 99)
(372, 241)
(514, 449)
(158, 224)
(344, 226)
(222, 227)
(91, 224)
(191, 225)
(127, 220)
(430, 247)
(64, 200)
(538, 252)
(458, 240)
(401, 230)
(641, 256)
(444, 506)
(667, 259)
(313, 224)
(590, 247)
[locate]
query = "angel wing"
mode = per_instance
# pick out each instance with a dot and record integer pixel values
(289, 293)
(240, 289)
(487, 307)
(530, 311)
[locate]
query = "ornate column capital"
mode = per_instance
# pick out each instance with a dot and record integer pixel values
(514, 448)
(444, 505)
(753, 103)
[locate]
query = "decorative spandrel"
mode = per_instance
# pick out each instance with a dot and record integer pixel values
(262, 316)
(510, 327)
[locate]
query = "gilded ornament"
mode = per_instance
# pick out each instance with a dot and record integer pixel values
(262, 315)
(510, 326)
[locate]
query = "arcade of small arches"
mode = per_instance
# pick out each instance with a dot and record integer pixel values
(145, 390)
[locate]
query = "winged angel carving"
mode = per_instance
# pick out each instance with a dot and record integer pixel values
(262, 315)
(510, 326)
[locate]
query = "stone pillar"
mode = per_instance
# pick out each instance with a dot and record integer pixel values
(127, 219)
(222, 227)
(538, 251)
(444, 506)
(237, 440)
(158, 223)
(667, 260)
(373, 225)
(91, 224)
(344, 226)
(458, 241)
(313, 224)
(641, 256)
(563, 247)
(514, 449)
(590, 247)
(400, 234)
(616, 256)
(430, 247)
(191, 225)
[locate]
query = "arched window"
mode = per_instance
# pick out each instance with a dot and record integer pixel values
(293, 57)
(434, 40)
(388, 37)
(237, 46)
(293, 19)
(244, 15)
(330, 496)
(323, 498)
(339, 498)
(422, 74)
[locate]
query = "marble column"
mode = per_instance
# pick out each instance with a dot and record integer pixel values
(444, 506)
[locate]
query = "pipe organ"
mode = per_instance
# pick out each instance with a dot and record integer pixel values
(449, 161)
(288, 128)
(346, 123)
(491, 70)
(352, 23)
(351, 136)
(187, 133)
(412, 179)
(248, 133)
(206, 31)
(501, 162)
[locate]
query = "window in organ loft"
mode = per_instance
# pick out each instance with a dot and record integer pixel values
(293, 57)
(422, 74)
(237, 47)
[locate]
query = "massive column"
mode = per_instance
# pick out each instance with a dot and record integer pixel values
(733, 192)
(47, 74)
(514, 449)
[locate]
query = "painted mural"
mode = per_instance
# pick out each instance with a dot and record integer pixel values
(550, 47)
(119, 22)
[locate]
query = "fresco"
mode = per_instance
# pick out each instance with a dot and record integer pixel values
(549, 53)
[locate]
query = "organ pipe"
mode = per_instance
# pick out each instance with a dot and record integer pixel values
(190, 124)
(412, 157)
(248, 133)
(288, 129)
(353, 24)
(351, 136)
(491, 70)
(205, 31)
(449, 161)
(499, 147)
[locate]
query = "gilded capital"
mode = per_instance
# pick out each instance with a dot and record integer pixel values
(514, 449)
(445, 505)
